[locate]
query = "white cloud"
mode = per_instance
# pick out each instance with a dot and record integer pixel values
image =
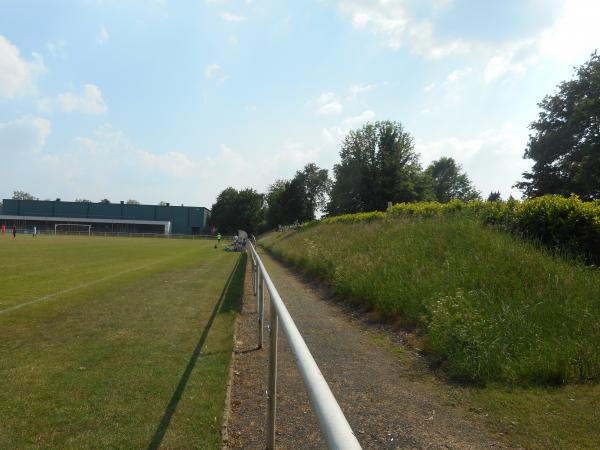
(358, 121)
(328, 104)
(506, 141)
(358, 89)
(391, 20)
(576, 32)
(44, 105)
(513, 59)
(334, 135)
(458, 74)
(57, 48)
(233, 40)
(17, 76)
(573, 36)
(430, 87)
(173, 163)
(216, 71)
(449, 84)
(86, 145)
(229, 17)
(492, 158)
(102, 35)
(251, 108)
(94, 166)
(571, 39)
(440, 5)
(24, 135)
(211, 70)
(90, 101)
(294, 154)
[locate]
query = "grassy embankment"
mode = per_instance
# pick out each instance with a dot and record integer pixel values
(497, 311)
(120, 343)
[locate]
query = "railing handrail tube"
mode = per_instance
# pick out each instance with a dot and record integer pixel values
(333, 423)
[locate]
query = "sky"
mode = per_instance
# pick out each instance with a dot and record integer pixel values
(173, 100)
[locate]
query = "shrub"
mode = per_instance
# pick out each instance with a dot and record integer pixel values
(565, 224)
(358, 217)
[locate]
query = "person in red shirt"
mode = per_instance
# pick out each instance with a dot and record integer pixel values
(14, 231)
(3, 229)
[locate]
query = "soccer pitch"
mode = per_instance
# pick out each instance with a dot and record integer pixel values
(114, 342)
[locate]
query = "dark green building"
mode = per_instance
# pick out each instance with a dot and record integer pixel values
(105, 217)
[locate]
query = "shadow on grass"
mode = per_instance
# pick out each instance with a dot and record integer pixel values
(228, 301)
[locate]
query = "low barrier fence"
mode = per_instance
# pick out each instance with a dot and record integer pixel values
(333, 423)
(116, 234)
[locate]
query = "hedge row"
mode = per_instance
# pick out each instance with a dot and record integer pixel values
(567, 224)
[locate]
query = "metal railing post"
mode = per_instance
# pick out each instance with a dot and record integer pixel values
(261, 308)
(253, 271)
(255, 276)
(272, 392)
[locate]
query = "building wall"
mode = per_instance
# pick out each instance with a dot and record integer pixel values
(184, 219)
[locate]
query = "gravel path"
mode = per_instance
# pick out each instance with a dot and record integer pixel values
(389, 398)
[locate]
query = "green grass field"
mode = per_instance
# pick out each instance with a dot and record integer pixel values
(114, 342)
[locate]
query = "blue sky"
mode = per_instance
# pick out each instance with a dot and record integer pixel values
(172, 100)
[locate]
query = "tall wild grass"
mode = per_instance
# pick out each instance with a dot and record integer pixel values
(494, 307)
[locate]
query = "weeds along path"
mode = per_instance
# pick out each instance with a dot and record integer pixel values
(390, 399)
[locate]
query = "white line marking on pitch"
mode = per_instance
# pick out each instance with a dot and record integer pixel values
(81, 286)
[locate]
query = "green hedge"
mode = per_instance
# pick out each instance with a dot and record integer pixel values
(566, 224)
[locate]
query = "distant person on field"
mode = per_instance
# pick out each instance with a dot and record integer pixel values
(218, 238)
(3, 229)
(14, 231)
(34, 230)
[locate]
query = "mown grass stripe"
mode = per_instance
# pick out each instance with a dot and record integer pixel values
(183, 381)
(85, 285)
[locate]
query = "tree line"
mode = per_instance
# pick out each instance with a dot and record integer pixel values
(378, 164)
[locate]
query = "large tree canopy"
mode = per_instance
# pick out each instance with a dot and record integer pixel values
(238, 210)
(378, 165)
(22, 195)
(449, 182)
(566, 145)
(298, 199)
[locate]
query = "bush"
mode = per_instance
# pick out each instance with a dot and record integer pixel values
(567, 223)
(358, 217)
(564, 224)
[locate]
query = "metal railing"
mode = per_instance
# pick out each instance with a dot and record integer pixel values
(333, 423)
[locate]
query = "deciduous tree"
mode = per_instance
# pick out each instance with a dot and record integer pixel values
(238, 210)
(450, 182)
(22, 195)
(565, 145)
(378, 165)
(494, 196)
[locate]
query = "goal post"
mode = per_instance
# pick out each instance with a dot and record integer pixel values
(72, 228)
